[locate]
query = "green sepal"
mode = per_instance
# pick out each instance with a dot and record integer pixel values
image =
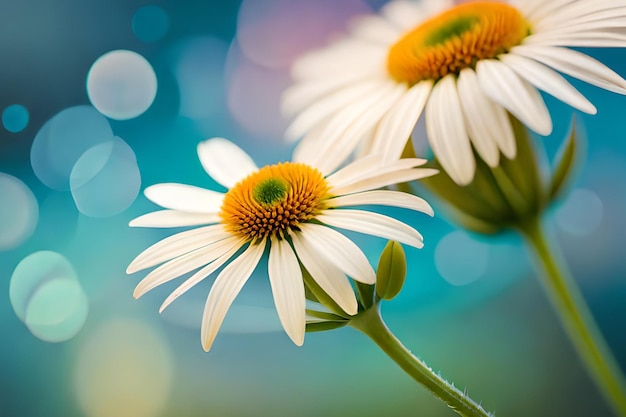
(325, 325)
(480, 199)
(564, 163)
(498, 198)
(366, 294)
(308, 294)
(324, 315)
(523, 185)
(391, 271)
(320, 295)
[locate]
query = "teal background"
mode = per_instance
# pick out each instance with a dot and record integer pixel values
(496, 335)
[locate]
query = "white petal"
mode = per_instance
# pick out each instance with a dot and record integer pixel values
(370, 166)
(598, 22)
(310, 144)
(395, 128)
(288, 289)
(404, 14)
(374, 224)
(329, 277)
(593, 38)
(548, 80)
(354, 170)
(374, 29)
(523, 100)
(201, 274)
(346, 56)
(383, 180)
(581, 11)
(176, 245)
(226, 287)
(486, 120)
(360, 92)
(174, 218)
(527, 7)
(338, 250)
(185, 263)
(384, 198)
(575, 64)
(224, 161)
(446, 131)
(297, 97)
(544, 8)
(430, 8)
(349, 126)
(479, 119)
(185, 198)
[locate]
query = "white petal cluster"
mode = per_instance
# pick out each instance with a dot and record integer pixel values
(345, 99)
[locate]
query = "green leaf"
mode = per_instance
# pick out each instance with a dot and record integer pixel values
(564, 162)
(325, 325)
(391, 271)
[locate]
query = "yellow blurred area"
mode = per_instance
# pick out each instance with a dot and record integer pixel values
(123, 369)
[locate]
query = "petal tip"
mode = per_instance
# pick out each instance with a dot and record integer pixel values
(206, 345)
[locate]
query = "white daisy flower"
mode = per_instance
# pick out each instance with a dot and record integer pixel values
(463, 65)
(289, 208)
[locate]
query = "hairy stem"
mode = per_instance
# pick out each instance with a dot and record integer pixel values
(371, 324)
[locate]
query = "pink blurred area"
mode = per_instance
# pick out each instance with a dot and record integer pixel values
(272, 33)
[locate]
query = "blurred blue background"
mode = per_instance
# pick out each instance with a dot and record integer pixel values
(75, 153)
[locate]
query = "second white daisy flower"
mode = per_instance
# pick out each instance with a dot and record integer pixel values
(291, 208)
(463, 65)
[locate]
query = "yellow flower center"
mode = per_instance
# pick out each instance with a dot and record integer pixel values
(456, 39)
(273, 199)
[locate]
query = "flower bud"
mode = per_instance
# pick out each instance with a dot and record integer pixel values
(391, 271)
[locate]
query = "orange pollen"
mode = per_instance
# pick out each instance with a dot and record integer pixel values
(274, 199)
(456, 39)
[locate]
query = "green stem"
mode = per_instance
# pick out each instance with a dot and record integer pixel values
(577, 320)
(371, 324)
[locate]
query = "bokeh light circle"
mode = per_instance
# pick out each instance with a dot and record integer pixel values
(19, 212)
(63, 139)
(105, 180)
(124, 369)
(15, 118)
(150, 23)
(581, 213)
(47, 296)
(121, 84)
(57, 310)
(459, 259)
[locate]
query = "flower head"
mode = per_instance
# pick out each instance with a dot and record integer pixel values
(289, 208)
(465, 66)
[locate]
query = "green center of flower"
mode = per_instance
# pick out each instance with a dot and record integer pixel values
(270, 191)
(456, 39)
(449, 30)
